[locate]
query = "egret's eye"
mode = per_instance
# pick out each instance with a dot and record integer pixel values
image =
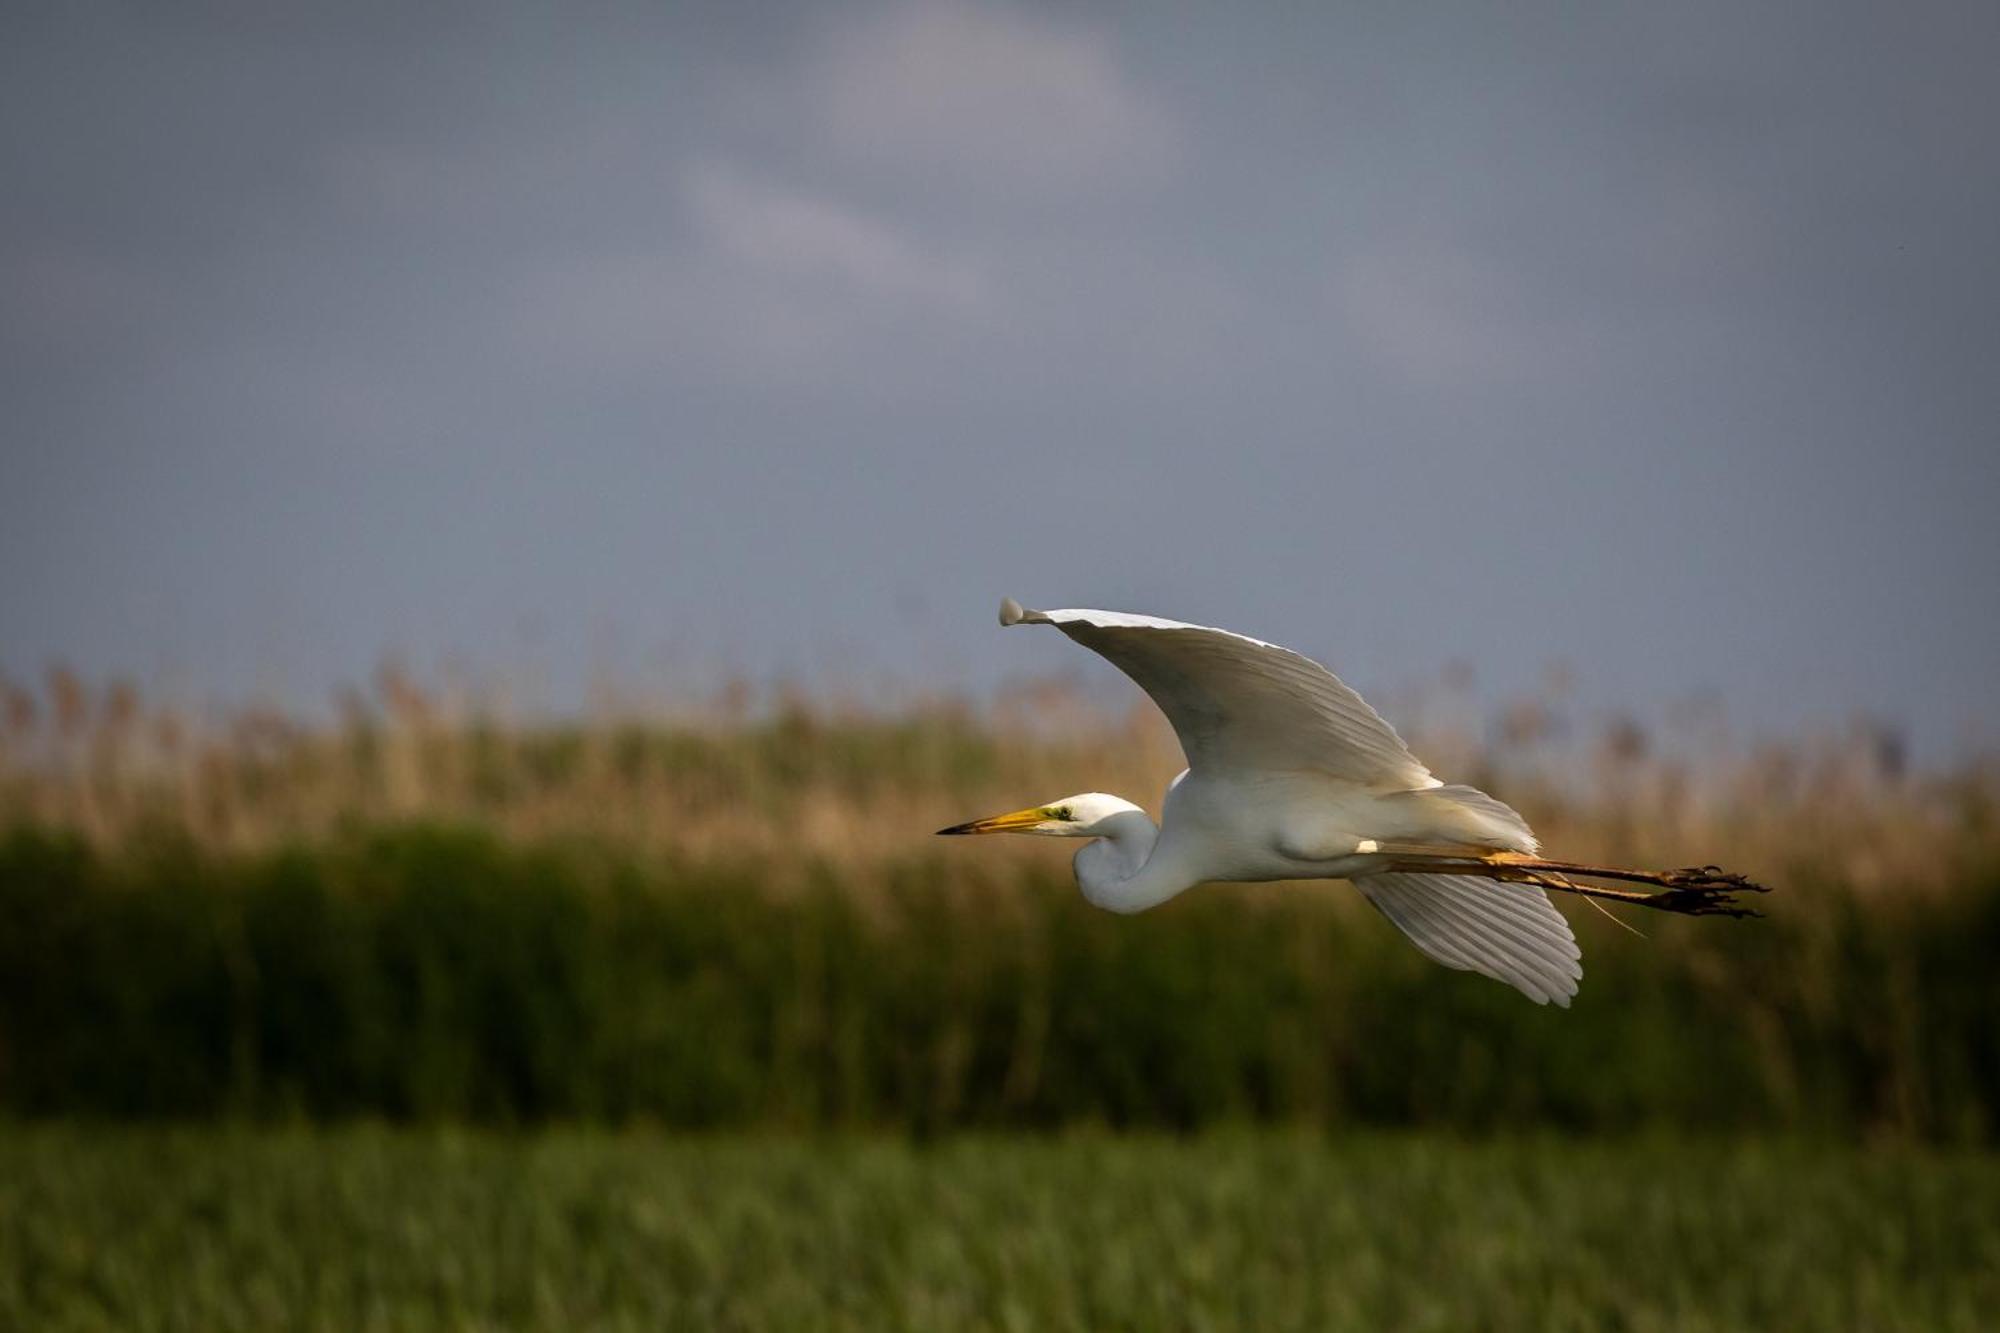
(1062, 812)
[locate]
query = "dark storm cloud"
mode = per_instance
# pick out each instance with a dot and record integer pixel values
(1655, 339)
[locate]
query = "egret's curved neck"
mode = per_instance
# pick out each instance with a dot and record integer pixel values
(1118, 869)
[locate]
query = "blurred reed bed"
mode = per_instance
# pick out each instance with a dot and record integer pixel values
(441, 975)
(735, 914)
(789, 782)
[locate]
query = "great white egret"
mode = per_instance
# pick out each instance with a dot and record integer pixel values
(1291, 775)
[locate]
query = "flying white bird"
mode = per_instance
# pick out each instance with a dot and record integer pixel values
(1291, 775)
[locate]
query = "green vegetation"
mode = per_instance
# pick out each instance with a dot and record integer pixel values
(365, 1229)
(331, 953)
(735, 915)
(432, 976)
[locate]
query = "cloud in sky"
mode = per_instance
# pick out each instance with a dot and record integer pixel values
(988, 95)
(1404, 334)
(787, 233)
(770, 284)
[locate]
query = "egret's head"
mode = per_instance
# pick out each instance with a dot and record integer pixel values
(1090, 815)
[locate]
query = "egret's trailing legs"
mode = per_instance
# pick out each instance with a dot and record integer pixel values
(1691, 891)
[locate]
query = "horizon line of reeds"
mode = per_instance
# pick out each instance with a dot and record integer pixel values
(782, 774)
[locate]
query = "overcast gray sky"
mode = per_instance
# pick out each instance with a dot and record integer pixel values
(1660, 340)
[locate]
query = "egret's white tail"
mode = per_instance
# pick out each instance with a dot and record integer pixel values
(1457, 815)
(1510, 932)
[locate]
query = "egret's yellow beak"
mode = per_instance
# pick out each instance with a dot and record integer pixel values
(1015, 822)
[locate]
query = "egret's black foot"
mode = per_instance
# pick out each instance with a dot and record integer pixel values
(1704, 891)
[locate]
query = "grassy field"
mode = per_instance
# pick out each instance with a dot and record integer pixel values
(364, 1228)
(682, 1020)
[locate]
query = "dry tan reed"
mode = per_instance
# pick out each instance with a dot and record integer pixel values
(786, 780)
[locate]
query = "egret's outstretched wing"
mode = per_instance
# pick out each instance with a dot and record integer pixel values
(1510, 932)
(1241, 704)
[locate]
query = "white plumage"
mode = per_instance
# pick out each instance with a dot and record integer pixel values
(1239, 702)
(1510, 932)
(1291, 775)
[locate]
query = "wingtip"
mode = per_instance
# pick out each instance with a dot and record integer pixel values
(1013, 613)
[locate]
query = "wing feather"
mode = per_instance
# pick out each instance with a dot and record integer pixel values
(1242, 704)
(1510, 932)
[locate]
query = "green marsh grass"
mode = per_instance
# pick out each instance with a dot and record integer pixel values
(451, 975)
(437, 1016)
(737, 916)
(220, 1230)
